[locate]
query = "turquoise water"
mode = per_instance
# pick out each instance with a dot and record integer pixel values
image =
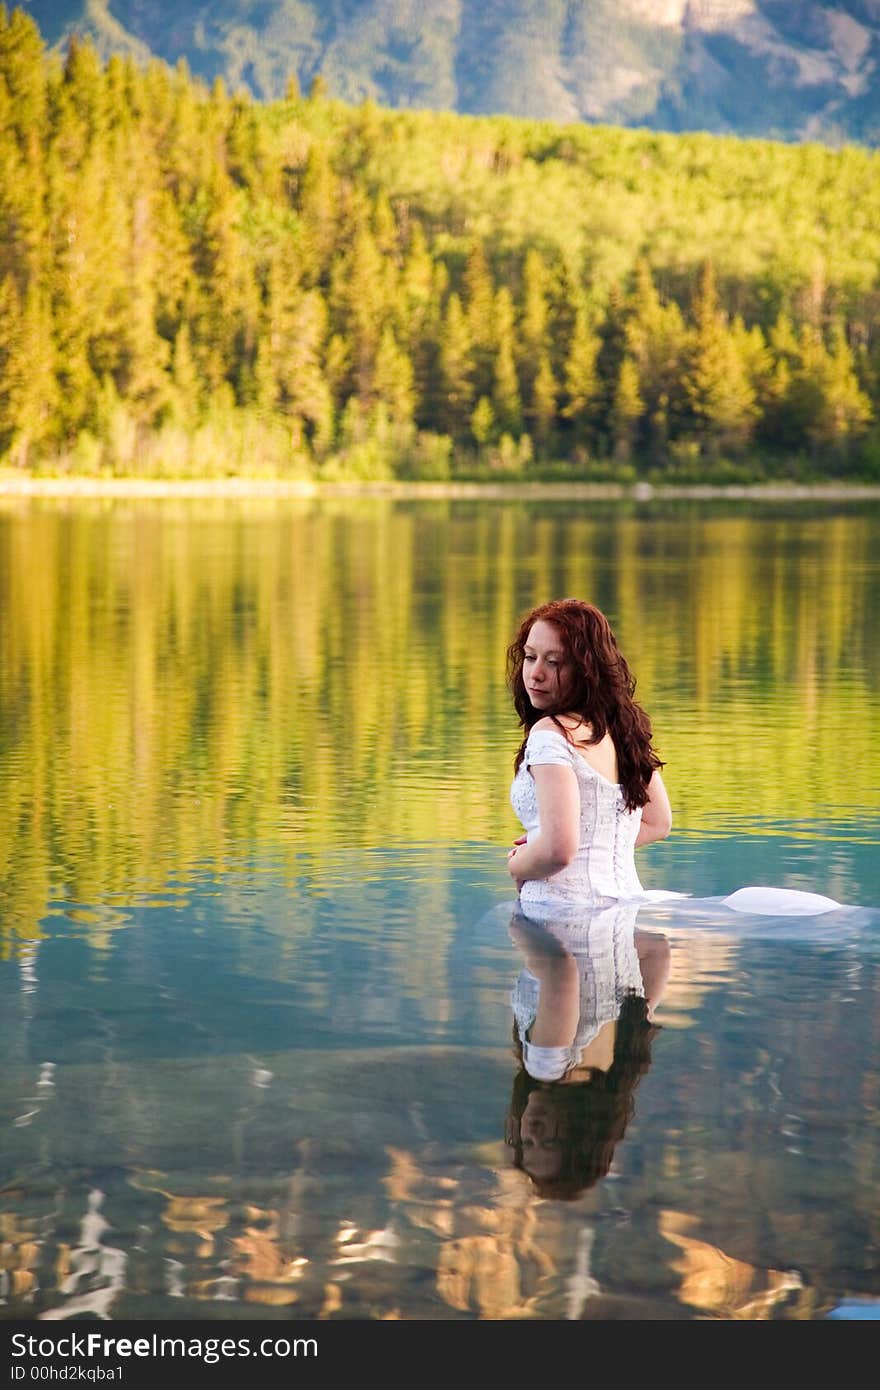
(257, 1023)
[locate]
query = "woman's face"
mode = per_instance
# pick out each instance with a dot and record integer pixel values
(546, 668)
(543, 1133)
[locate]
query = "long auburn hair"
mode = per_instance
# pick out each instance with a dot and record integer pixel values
(595, 1113)
(601, 691)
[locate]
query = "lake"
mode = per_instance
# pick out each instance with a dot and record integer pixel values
(257, 965)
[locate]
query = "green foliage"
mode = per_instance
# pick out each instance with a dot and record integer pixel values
(376, 294)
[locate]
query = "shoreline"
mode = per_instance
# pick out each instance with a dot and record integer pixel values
(231, 488)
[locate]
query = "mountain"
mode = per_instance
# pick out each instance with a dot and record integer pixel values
(784, 69)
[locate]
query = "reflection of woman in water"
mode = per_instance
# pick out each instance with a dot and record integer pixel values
(583, 1006)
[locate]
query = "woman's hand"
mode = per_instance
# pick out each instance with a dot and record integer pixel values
(511, 856)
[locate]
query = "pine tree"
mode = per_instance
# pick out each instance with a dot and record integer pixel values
(542, 414)
(359, 306)
(86, 91)
(780, 424)
(505, 396)
(23, 127)
(609, 359)
(28, 397)
(532, 341)
(292, 338)
(69, 280)
(825, 392)
(565, 302)
(414, 314)
(627, 410)
(185, 385)
(220, 265)
(719, 394)
(479, 296)
(394, 379)
(580, 382)
(318, 207)
(847, 407)
(23, 69)
(483, 422)
(456, 369)
(657, 342)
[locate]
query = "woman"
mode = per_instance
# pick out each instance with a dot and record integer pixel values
(587, 787)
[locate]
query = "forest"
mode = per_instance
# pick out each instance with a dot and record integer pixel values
(197, 284)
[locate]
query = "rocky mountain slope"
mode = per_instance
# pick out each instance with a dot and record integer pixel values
(786, 69)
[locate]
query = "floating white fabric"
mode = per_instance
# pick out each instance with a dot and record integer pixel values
(779, 902)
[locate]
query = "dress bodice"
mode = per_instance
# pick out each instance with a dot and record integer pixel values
(604, 866)
(602, 943)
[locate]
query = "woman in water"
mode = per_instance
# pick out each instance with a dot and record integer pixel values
(587, 787)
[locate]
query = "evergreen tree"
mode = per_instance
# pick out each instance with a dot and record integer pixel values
(781, 424)
(318, 207)
(825, 393)
(23, 75)
(479, 296)
(609, 359)
(483, 422)
(627, 410)
(220, 266)
(185, 385)
(543, 405)
(416, 315)
(657, 342)
(394, 379)
(28, 396)
(86, 92)
(718, 392)
(581, 381)
(359, 304)
(69, 280)
(565, 300)
(294, 335)
(23, 129)
(532, 341)
(456, 369)
(505, 397)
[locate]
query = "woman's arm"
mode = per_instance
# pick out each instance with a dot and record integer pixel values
(656, 813)
(559, 996)
(655, 959)
(559, 809)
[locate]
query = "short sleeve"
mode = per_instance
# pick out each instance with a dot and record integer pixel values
(546, 1063)
(544, 746)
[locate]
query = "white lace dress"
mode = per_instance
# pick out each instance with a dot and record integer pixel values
(602, 943)
(603, 869)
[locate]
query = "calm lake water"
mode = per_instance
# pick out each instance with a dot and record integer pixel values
(256, 959)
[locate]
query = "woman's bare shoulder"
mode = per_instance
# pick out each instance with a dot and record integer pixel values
(544, 725)
(561, 724)
(548, 725)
